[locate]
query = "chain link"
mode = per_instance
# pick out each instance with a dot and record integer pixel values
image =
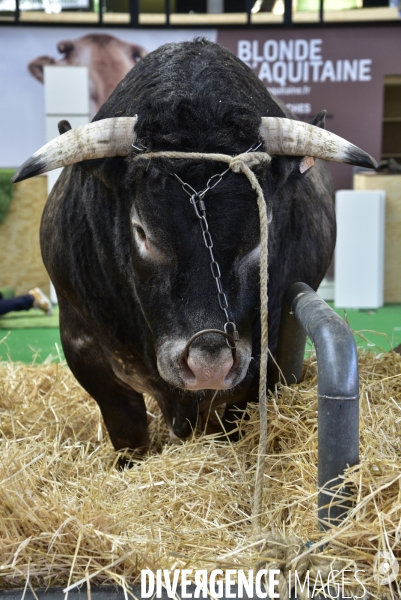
(200, 211)
(196, 199)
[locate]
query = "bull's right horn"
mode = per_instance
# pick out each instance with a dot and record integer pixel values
(101, 139)
(296, 138)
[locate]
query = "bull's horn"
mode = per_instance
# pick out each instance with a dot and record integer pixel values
(295, 138)
(101, 139)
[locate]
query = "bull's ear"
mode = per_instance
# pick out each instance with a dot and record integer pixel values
(320, 120)
(108, 170)
(137, 52)
(63, 126)
(65, 47)
(307, 162)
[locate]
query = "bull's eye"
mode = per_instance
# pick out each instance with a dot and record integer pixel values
(147, 246)
(141, 233)
(141, 239)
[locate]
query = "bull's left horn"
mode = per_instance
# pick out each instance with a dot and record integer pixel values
(295, 138)
(101, 139)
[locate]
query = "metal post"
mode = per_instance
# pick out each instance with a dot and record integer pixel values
(134, 12)
(249, 4)
(290, 348)
(321, 11)
(287, 13)
(17, 11)
(100, 21)
(168, 10)
(338, 390)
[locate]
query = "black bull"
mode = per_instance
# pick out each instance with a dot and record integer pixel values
(124, 249)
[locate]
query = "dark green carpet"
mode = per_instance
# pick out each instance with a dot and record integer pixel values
(30, 336)
(378, 329)
(31, 345)
(39, 341)
(29, 319)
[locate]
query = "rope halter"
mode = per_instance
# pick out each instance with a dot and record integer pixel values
(244, 163)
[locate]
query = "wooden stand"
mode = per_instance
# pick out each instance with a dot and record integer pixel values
(21, 265)
(391, 183)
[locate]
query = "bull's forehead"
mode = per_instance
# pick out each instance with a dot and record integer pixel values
(160, 202)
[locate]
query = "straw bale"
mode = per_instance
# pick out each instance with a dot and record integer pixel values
(67, 514)
(21, 264)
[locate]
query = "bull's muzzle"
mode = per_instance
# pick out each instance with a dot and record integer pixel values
(232, 343)
(201, 373)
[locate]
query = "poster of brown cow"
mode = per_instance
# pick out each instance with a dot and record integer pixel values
(24, 52)
(307, 69)
(108, 57)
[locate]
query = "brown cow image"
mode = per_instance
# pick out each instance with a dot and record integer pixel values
(108, 58)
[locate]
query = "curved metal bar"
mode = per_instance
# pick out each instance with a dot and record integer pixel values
(203, 332)
(304, 312)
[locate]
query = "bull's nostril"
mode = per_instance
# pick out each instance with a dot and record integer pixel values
(229, 375)
(189, 376)
(235, 364)
(208, 374)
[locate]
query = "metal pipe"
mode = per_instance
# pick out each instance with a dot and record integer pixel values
(113, 592)
(248, 5)
(168, 11)
(134, 12)
(321, 11)
(288, 13)
(338, 390)
(100, 16)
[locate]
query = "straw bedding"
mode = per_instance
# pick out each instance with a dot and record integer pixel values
(67, 515)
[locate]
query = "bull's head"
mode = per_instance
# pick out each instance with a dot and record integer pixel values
(209, 363)
(114, 137)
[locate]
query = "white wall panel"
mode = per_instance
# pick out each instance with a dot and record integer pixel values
(66, 97)
(359, 254)
(66, 90)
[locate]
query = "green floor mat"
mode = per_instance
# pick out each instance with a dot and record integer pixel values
(31, 346)
(379, 329)
(29, 319)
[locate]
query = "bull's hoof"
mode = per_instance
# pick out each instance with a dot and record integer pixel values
(229, 425)
(128, 458)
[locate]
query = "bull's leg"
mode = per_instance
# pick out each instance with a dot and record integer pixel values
(227, 422)
(122, 408)
(233, 416)
(179, 412)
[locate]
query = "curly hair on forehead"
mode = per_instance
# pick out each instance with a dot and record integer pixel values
(200, 98)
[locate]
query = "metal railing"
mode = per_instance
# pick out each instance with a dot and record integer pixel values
(134, 18)
(305, 313)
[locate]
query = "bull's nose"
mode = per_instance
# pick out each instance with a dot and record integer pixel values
(202, 374)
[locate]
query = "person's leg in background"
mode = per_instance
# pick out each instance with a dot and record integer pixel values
(36, 298)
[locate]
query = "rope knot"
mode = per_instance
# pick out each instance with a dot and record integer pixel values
(249, 159)
(244, 163)
(280, 553)
(289, 556)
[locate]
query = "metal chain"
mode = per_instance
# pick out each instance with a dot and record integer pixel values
(196, 199)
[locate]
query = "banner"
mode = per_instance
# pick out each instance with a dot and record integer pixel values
(24, 51)
(340, 70)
